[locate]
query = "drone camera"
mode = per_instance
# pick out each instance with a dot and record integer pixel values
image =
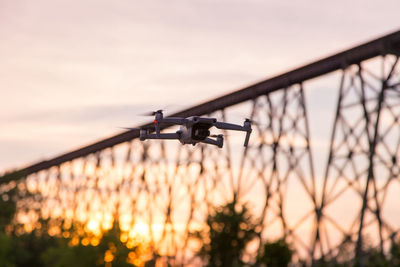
(200, 133)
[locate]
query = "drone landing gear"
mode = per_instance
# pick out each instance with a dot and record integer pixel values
(218, 142)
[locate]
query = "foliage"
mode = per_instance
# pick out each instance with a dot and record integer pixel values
(395, 254)
(85, 255)
(64, 255)
(33, 249)
(276, 254)
(28, 247)
(371, 257)
(37, 248)
(230, 228)
(7, 211)
(7, 244)
(374, 258)
(6, 247)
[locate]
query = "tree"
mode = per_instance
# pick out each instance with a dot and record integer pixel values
(276, 254)
(7, 211)
(37, 248)
(6, 249)
(230, 228)
(395, 254)
(109, 246)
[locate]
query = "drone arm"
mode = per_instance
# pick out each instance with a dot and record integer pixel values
(219, 142)
(174, 120)
(162, 136)
(170, 120)
(229, 126)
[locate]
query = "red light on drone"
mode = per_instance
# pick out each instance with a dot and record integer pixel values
(155, 121)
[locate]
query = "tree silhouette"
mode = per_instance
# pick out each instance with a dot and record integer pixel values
(276, 254)
(230, 228)
(38, 249)
(109, 249)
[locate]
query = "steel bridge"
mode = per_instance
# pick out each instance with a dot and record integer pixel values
(168, 189)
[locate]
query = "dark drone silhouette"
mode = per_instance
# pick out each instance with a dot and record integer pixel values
(193, 129)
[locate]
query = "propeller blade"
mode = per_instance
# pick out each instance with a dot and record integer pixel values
(253, 122)
(138, 128)
(128, 128)
(151, 113)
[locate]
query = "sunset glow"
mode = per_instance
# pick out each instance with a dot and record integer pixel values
(321, 170)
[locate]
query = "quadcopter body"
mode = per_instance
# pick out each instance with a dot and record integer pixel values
(193, 129)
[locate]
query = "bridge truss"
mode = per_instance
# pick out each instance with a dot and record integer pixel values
(165, 191)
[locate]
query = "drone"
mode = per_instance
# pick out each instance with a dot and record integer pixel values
(192, 130)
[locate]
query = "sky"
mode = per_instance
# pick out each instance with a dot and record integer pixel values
(71, 73)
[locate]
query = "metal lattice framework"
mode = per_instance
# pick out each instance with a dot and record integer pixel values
(160, 192)
(363, 158)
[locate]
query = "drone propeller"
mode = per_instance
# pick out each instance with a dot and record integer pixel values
(158, 119)
(257, 123)
(138, 128)
(251, 121)
(151, 113)
(128, 128)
